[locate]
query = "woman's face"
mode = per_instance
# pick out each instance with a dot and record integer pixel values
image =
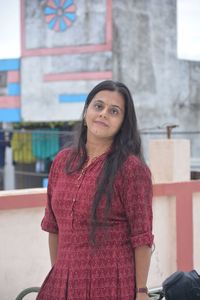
(105, 115)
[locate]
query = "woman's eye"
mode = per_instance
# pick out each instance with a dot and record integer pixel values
(114, 111)
(98, 106)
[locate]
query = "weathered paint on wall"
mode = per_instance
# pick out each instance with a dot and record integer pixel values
(131, 41)
(68, 62)
(165, 88)
(10, 91)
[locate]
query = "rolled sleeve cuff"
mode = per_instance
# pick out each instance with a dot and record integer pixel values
(49, 226)
(145, 239)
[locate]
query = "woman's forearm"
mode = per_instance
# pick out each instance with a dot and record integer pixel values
(53, 246)
(142, 263)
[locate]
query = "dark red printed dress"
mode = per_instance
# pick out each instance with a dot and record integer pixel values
(106, 271)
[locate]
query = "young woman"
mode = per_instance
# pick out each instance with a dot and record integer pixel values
(99, 208)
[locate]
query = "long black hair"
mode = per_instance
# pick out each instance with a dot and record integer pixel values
(127, 141)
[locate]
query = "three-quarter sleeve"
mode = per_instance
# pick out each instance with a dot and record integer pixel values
(137, 194)
(49, 220)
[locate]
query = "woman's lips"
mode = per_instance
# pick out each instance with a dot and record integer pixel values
(101, 123)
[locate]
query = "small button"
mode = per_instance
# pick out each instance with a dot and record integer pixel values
(74, 199)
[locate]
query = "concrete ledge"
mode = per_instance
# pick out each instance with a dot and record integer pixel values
(23, 198)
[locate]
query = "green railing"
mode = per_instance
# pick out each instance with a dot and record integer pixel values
(27, 291)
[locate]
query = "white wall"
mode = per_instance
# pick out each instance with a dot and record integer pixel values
(24, 256)
(163, 260)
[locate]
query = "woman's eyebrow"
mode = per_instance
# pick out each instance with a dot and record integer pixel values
(113, 105)
(98, 100)
(117, 106)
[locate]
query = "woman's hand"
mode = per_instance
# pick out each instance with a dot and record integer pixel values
(142, 296)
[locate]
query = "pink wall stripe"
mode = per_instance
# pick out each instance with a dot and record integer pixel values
(78, 76)
(13, 76)
(184, 229)
(66, 50)
(23, 200)
(109, 23)
(9, 101)
(70, 49)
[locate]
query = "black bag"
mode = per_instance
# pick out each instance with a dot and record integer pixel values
(182, 286)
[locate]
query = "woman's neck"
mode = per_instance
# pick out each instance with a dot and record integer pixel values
(95, 149)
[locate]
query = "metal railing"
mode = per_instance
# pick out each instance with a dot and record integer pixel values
(32, 154)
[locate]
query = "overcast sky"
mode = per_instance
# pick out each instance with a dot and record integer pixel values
(188, 29)
(9, 29)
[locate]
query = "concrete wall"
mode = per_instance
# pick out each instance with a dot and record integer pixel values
(163, 260)
(165, 88)
(143, 55)
(24, 256)
(69, 62)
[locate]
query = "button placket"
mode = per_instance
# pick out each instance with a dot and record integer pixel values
(74, 199)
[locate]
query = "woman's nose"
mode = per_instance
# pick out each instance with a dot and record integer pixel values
(103, 113)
